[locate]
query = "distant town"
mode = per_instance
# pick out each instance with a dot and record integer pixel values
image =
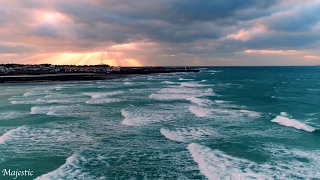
(37, 69)
(33, 69)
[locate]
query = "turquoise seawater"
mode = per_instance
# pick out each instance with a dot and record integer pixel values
(221, 123)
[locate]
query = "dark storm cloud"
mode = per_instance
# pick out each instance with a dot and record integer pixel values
(303, 19)
(282, 41)
(179, 11)
(174, 21)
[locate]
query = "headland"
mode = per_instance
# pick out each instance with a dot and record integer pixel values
(47, 72)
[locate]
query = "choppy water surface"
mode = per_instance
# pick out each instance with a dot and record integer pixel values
(221, 123)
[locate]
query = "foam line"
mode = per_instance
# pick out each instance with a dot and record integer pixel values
(11, 115)
(215, 164)
(190, 84)
(179, 93)
(168, 82)
(103, 101)
(144, 115)
(187, 134)
(96, 95)
(198, 101)
(182, 79)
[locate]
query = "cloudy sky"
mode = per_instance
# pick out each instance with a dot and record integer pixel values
(160, 32)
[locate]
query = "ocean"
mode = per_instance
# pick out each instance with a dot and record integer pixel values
(220, 123)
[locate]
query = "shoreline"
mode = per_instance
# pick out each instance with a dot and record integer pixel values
(57, 77)
(49, 77)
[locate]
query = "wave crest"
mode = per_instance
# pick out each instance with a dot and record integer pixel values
(293, 123)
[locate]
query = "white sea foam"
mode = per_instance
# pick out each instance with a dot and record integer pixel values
(199, 111)
(182, 79)
(126, 116)
(147, 115)
(59, 96)
(284, 114)
(214, 71)
(173, 94)
(215, 164)
(225, 108)
(63, 111)
(195, 100)
(6, 136)
(72, 169)
(39, 110)
(38, 101)
(59, 110)
(292, 162)
(103, 101)
(188, 134)
(203, 80)
(35, 92)
(65, 86)
(209, 91)
(58, 88)
(191, 84)
(62, 101)
(29, 93)
(219, 101)
(198, 101)
(293, 123)
(168, 82)
(179, 93)
(136, 118)
(96, 95)
(127, 83)
(11, 115)
(164, 97)
(51, 135)
(44, 101)
(252, 114)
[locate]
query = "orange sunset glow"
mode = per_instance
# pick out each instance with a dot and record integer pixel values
(79, 59)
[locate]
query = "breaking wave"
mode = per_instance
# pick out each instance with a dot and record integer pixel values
(187, 134)
(293, 123)
(96, 95)
(72, 169)
(6, 136)
(200, 111)
(215, 164)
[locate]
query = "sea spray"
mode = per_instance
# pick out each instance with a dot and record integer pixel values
(293, 123)
(6, 136)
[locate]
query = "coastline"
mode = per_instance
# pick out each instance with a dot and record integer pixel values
(48, 77)
(57, 77)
